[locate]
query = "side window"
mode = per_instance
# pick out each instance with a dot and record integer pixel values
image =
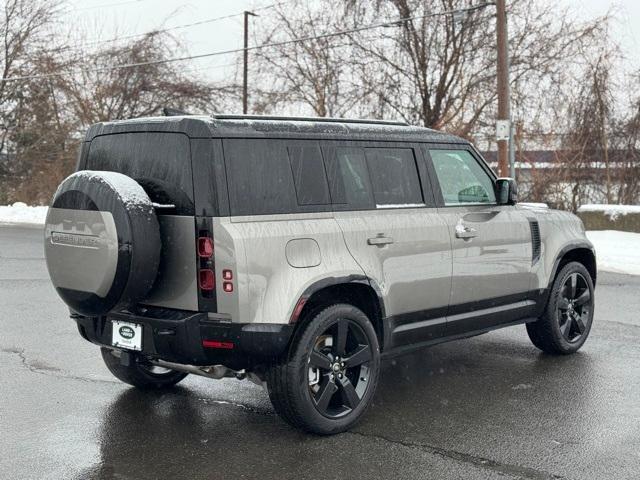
(270, 177)
(349, 178)
(394, 177)
(462, 180)
(309, 175)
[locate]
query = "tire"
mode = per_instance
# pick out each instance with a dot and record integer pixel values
(327, 380)
(102, 242)
(566, 322)
(139, 374)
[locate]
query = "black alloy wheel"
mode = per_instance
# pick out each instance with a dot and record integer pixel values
(574, 307)
(339, 368)
(328, 377)
(566, 321)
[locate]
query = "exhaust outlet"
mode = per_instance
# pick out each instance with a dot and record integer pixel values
(211, 371)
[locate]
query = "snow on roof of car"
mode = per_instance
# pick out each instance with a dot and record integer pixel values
(255, 126)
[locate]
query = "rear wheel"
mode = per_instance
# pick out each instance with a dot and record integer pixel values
(139, 373)
(567, 319)
(328, 379)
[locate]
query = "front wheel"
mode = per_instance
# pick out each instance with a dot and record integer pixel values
(566, 322)
(330, 375)
(139, 373)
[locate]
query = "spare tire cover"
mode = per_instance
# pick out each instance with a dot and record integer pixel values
(102, 242)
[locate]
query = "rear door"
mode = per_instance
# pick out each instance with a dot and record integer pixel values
(161, 163)
(385, 208)
(491, 243)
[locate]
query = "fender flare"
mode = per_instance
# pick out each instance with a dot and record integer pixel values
(578, 244)
(323, 283)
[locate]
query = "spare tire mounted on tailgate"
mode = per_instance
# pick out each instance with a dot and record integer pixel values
(102, 242)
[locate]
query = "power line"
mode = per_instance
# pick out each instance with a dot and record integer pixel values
(178, 27)
(255, 47)
(157, 30)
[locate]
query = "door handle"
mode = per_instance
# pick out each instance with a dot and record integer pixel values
(380, 240)
(465, 232)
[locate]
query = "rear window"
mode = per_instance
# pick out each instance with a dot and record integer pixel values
(160, 162)
(271, 177)
(350, 183)
(369, 178)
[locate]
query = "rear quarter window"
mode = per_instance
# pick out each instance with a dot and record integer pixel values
(273, 177)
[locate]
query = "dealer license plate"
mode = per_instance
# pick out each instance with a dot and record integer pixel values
(126, 335)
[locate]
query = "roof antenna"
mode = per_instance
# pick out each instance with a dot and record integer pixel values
(173, 112)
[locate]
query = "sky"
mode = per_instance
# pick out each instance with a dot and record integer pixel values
(126, 17)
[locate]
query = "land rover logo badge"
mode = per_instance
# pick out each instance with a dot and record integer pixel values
(126, 332)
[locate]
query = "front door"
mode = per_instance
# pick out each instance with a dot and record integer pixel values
(491, 244)
(393, 230)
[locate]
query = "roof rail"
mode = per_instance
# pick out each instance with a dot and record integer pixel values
(308, 119)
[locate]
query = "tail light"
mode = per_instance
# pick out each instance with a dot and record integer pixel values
(207, 280)
(205, 247)
(207, 271)
(206, 264)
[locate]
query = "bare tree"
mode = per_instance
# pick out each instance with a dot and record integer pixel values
(626, 144)
(434, 70)
(315, 74)
(75, 88)
(586, 147)
(439, 71)
(23, 28)
(100, 91)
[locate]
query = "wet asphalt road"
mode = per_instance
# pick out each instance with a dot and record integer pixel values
(487, 407)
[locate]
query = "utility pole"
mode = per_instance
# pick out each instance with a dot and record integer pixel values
(245, 94)
(504, 130)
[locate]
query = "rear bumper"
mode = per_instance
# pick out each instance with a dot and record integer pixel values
(177, 336)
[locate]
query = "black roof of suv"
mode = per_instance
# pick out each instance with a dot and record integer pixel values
(248, 126)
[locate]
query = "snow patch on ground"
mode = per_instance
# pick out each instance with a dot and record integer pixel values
(21, 214)
(611, 211)
(617, 251)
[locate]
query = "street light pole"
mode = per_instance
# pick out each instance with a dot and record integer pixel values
(245, 95)
(505, 153)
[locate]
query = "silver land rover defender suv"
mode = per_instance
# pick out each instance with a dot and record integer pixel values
(299, 252)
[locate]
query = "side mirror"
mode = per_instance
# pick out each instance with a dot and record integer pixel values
(506, 191)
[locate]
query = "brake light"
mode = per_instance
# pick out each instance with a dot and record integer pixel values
(206, 262)
(205, 247)
(207, 280)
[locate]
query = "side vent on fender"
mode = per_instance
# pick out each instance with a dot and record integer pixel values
(536, 244)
